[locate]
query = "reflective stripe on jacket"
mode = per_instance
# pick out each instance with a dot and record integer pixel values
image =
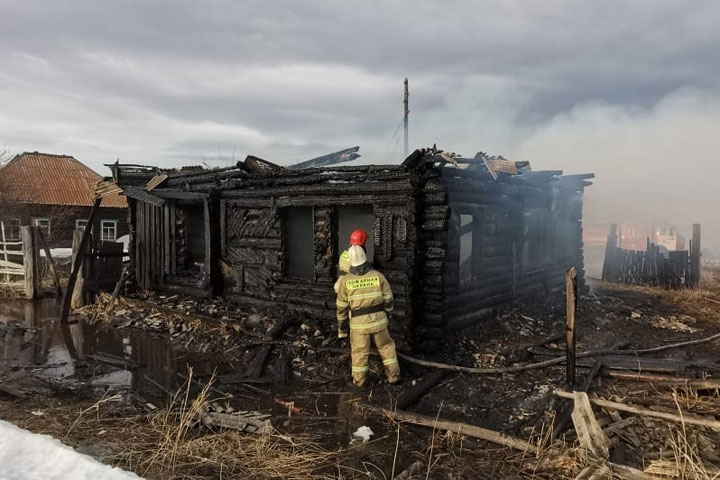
(357, 292)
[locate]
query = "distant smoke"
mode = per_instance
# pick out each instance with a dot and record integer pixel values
(661, 162)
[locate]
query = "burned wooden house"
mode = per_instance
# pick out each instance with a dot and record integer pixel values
(454, 236)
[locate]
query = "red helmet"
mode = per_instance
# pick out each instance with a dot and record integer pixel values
(358, 237)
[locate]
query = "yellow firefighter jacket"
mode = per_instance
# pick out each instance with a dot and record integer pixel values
(366, 294)
(343, 268)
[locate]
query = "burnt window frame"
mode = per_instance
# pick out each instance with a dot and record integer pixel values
(343, 245)
(534, 254)
(473, 231)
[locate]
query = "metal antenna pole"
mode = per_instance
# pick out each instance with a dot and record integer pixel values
(406, 110)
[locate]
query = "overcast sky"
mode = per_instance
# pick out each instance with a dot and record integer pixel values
(626, 89)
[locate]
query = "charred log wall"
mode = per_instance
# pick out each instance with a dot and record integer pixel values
(526, 231)
(254, 247)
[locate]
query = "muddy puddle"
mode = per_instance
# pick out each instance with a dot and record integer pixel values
(34, 340)
(149, 364)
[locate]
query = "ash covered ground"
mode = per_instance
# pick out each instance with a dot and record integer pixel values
(169, 387)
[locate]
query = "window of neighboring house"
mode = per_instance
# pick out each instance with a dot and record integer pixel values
(298, 228)
(109, 230)
(44, 224)
(465, 268)
(12, 230)
(80, 225)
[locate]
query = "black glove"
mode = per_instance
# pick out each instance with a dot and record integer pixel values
(342, 331)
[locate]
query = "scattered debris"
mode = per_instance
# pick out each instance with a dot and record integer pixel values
(363, 433)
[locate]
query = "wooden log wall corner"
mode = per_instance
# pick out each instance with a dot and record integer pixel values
(527, 230)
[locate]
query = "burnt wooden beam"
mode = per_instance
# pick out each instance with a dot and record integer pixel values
(79, 260)
(140, 194)
(562, 421)
(345, 155)
(180, 195)
(257, 365)
(414, 394)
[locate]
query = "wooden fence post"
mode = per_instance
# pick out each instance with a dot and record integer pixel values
(695, 256)
(4, 249)
(571, 296)
(32, 277)
(77, 292)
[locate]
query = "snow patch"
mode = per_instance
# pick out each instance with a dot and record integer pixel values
(28, 456)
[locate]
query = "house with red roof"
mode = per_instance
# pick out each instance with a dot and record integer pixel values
(53, 193)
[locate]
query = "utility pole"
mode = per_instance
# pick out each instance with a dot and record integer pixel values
(406, 110)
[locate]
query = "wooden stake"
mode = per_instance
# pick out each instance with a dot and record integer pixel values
(77, 263)
(571, 296)
(32, 286)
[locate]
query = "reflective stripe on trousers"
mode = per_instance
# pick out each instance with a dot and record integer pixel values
(360, 345)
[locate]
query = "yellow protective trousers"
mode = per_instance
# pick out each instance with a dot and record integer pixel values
(360, 345)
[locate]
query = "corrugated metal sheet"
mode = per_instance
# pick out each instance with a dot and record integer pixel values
(41, 178)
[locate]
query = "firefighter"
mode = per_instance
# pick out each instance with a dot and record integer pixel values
(364, 301)
(357, 237)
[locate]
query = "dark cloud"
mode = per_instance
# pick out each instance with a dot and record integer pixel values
(177, 82)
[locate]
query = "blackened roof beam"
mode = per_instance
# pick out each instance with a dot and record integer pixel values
(342, 156)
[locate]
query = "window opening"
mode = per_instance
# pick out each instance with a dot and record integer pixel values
(351, 218)
(298, 230)
(466, 248)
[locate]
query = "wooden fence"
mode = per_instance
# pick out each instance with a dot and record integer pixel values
(653, 266)
(101, 269)
(12, 268)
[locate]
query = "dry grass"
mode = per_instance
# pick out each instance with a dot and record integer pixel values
(170, 444)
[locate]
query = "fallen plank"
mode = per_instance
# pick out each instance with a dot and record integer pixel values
(562, 421)
(13, 392)
(696, 383)
(686, 418)
(415, 393)
(637, 364)
(589, 433)
(114, 360)
(257, 364)
(250, 422)
(620, 425)
(456, 427)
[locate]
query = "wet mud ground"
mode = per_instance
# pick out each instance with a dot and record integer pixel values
(142, 356)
